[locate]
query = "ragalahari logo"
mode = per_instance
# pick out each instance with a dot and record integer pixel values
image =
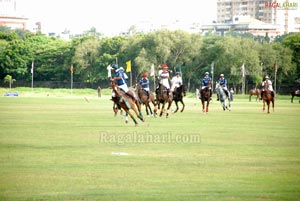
(285, 5)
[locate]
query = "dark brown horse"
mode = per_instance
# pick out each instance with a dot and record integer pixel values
(255, 92)
(163, 97)
(268, 97)
(295, 93)
(144, 99)
(178, 94)
(122, 100)
(205, 97)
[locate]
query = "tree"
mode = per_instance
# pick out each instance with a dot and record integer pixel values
(85, 58)
(10, 80)
(293, 42)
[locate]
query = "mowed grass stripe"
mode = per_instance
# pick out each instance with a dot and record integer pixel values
(51, 149)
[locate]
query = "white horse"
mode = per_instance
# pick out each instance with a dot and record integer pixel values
(224, 99)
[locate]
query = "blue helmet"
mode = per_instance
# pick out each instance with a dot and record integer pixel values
(115, 66)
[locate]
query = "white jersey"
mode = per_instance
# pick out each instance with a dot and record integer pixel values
(164, 79)
(176, 82)
(269, 87)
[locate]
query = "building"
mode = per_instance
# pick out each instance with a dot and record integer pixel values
(243, 24)
(10, 17)
(253, 8)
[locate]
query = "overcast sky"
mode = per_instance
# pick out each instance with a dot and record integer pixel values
(113, 16)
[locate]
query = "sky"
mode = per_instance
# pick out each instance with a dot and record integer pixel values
(113, 16)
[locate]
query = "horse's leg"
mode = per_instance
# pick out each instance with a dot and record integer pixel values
(126, 117)
(273, 104)
(115, 109)
(203, 105)
(229, 105)
(268, 103)
(250, 98)
(137, 111)
(155, 108)
(292, 99)
(132, 117)
(149, 107)
(183, 105)
(176, 103)
(139, 108)
(264, 105)
(147, 112)
(162, 108)
(207, 104)
(169, 105)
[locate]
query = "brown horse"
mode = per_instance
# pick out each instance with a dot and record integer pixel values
(122, 100)
(178, 94)
(268, 97)
(162, 97)
(144, 99)
(205, 97)
(295, 93)
(256, 92)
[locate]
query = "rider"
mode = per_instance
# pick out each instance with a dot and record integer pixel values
(120, 80)
(269, 83)
(125, 75)
(223, 83)
(164, 78)
(176, 81)
(204, 84)
(144, 82)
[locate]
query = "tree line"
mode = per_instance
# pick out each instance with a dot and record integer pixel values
(194, 54)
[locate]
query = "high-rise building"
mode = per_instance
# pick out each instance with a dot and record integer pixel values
(228, 9)
(10, 17)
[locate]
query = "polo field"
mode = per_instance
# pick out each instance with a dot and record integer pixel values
(61, 146)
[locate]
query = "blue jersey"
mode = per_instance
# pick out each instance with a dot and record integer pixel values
(144, 82)
(223, 82)
(120, 81)
(205, 81)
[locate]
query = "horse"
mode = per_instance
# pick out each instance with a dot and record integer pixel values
(256, 92)
(178, 94)
(223, 97)
(205, 96)
(144, 99)
(295, 93)
(122, 100)
(267, 97)
(162, 97)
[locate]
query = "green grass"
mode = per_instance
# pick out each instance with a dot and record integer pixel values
(58, 146)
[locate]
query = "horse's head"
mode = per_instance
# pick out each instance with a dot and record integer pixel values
(217, 86)
(209, 83)
(266, 86)
(114, 86)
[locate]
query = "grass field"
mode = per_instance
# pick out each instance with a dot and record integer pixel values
(54, 146)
